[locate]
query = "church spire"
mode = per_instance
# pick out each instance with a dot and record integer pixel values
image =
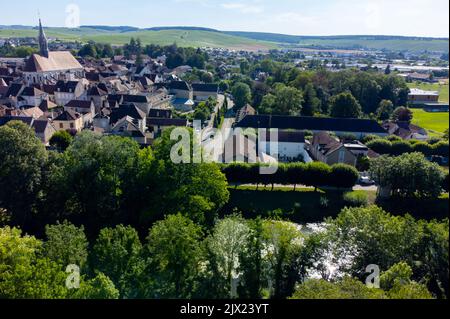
(43, 42)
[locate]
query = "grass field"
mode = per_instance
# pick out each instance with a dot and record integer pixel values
(441, 88)
(435, 123)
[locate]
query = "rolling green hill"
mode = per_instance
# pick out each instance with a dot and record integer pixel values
(397, 43)
(183, 37)
(201, 37)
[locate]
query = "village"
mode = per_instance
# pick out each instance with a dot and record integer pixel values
(52, 91)
(167, 171)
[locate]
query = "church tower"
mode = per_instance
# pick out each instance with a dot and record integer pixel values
(43, 42)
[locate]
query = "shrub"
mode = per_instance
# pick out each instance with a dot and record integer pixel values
(394, 138)
(343, 176)
(441, 149)
(356, 199)
(317, 174)
(370, 138)
(380, 146)
(424, 148)
(445, 183)
(400, 147)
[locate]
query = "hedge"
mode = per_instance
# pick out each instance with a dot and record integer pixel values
(397, 148)
(314, 174)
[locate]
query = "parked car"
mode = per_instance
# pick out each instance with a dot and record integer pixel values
(365, 180)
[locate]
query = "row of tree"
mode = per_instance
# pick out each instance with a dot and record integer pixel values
(238, 258)
(398, 147)
(314, 174)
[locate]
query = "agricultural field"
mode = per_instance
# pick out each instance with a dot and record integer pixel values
(435, 123)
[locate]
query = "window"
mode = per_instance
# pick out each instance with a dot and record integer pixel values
(71, 125)
(61, 125)
(342, 155)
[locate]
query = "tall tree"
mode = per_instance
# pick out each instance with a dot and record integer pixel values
(311, 103)
(344, 105)
(117, 253)
(173, 249)
(22, 159)
(242, 94)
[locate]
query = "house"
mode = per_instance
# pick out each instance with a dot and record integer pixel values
(43, 129)
(183, 105)
(157, 126)
(406, 131)
(141, 101)
(129, 127)
(66, 91)
(98, 96)
(289, 146)
(47, 105)
(69, 121)
(33, 96)
(51, 66)
(421, 77)
(31, 111)
(85, 108)
(181, 90)
(132, 111)
(417, 96)
(12, 95)
(202, 92)
(329, 150)
(161, 113)
(341, 127)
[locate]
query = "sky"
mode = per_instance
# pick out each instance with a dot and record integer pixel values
(429, 18)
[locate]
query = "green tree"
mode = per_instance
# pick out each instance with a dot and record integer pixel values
(347, 288)
(410, 175)
(106, 166)
(100, 287)
(117, 253)
(66, 244)
(227, 242)
(23, 275)
(242, 94)
(22, 159)
(199, 191)
(61, 140)
(385, 110)
(311, 103)
(285, 243)
(402, 114)
(173, 248)
(344, 105)
(288, 101)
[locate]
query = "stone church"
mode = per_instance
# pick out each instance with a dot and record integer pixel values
(49, 67)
